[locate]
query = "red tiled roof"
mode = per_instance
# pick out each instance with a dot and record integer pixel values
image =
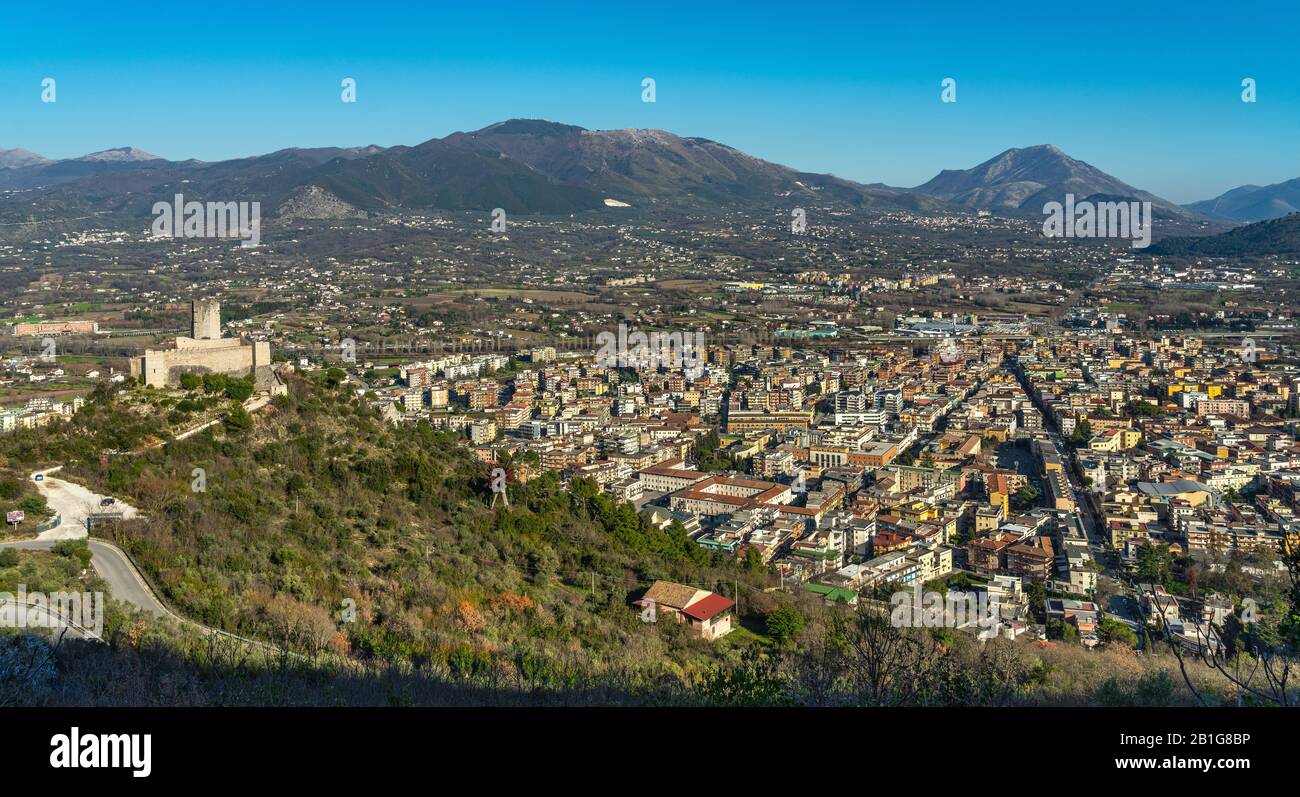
(708, 606)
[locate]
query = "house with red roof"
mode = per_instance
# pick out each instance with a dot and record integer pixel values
(708, 613)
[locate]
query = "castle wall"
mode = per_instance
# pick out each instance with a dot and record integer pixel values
(164, 368)
(205, 352)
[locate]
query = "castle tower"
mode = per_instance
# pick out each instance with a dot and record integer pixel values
(205, 319)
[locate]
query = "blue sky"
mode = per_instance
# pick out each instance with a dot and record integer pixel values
(1150, 95)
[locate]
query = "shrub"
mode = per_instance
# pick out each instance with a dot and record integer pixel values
(783, 623)
(74, 549)
(34, 505)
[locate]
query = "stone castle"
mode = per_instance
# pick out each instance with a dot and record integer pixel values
(206, 352)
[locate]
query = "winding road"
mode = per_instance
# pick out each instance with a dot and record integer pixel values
(74, 503)
(42, 616)
(112, 565)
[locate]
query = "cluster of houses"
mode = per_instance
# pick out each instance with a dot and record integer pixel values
(1172, 432)
(38, 412)
(807, 461)
(848, 471)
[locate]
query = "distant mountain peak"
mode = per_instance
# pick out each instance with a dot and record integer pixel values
(1049, 148)
(567, 165)
(17, 158)
(534, 127)
(1026, 178)
(119, 155)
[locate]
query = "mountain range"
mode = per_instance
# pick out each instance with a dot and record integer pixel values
(20, 158)
(535, 166)
(521, 165)
(1252, 202)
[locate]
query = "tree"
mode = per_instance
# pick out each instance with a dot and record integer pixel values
(298, 625)
(27, 669)
(874, 663)
(239, 420)
(1036, 592)
(240, 389)
(1113, 631)
(1151, 689)
(34, 505)
(214, 383)
(1154, 564)
(1062, 630)
(708, 443)
(1081, 435)
(784, 623)
(1147, 409)
(1025, 497)
(1258, 652)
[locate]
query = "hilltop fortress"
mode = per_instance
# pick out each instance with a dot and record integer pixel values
(206, 352)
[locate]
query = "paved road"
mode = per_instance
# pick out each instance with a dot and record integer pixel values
(39, 616)
(126, 584)
(1084, 500)
(74, 503)
(112, 565)
(1125, 609)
